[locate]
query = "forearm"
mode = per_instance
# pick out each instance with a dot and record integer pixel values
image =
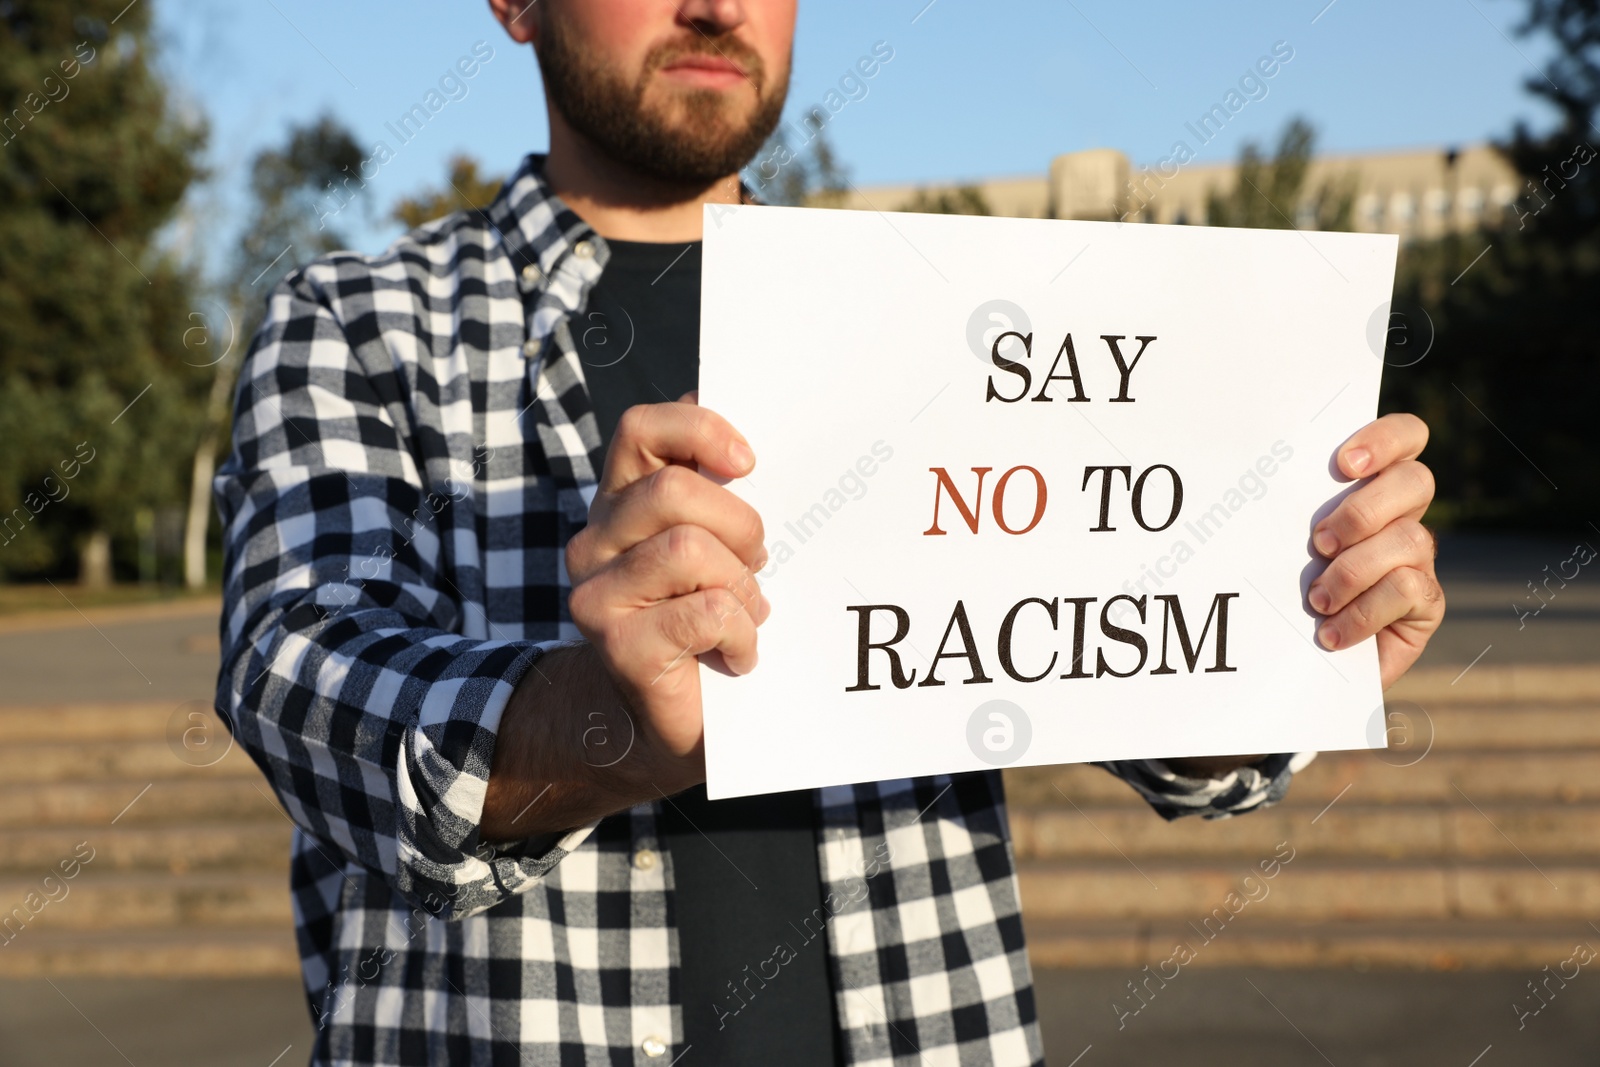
(570, 751)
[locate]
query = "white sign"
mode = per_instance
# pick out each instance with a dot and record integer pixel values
(1035, 491)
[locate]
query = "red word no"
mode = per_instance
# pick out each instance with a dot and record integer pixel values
(970, 513)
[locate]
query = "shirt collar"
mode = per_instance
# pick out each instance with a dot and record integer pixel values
(539, 230)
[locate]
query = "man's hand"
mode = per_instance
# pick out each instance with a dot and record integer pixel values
(664, 570)
(1381, 579)
(662, 573)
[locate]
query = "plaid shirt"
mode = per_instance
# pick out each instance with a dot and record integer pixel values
(413, 446)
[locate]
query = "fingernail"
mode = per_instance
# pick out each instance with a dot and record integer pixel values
(1328, 634)
(1320, 599)
(1326, 543)
(1358, 459)
(741, 455)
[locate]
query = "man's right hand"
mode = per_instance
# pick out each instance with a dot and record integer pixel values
(663, 573)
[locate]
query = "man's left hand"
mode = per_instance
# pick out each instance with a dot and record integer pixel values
(1381, 579)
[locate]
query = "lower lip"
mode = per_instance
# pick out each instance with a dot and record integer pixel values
(705, 77)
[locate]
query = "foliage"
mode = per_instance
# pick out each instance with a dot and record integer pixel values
(296, 195)
(810, 175)
(1510, 381)
(311, 178)
(464, 188)
(1271, 194)
(94, 162)
(962, 200)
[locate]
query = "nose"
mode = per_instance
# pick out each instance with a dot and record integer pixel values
(712, 17)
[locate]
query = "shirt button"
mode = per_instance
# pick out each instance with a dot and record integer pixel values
(645, 859)
(583, 250)
(653, 1046)
(530, 348)
(531, 274)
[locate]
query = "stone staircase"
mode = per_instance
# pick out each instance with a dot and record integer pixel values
(187, 853)
(1473, 843)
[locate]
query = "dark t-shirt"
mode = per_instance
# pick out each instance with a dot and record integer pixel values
(755, 990)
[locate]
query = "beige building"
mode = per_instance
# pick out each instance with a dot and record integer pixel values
(1413, 194)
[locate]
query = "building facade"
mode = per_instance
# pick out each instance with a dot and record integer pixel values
(1414, 194)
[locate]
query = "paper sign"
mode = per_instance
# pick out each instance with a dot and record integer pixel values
(1035, 491)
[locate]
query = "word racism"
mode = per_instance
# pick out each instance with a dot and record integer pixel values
(1254, 889)
(1018, 389)
(451, 88)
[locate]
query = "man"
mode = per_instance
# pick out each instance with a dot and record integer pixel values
(470, 563)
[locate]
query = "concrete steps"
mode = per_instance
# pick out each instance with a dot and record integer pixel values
(1433, 831)
(212, 953)
(44, 762)
(220, 799)
(175, 848)
(1473, 843)
(1258, 942)
(136, 840)
(1311, 890)
(141, 900)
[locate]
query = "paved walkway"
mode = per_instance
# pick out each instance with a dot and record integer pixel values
(1248, 1017)
(1216, 1018)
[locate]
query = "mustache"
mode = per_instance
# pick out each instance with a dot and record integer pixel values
(730, 48)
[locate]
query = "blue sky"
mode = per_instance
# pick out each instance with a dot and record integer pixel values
(974, 89)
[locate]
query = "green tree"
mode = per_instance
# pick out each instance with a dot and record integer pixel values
(94, 161)
(1510, 380)
(464, 188)
(811, 175)
(298, 192)
(1272, 194)
(961, 200)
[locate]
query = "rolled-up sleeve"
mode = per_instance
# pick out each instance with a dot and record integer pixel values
(345, 674)
(1173, 795)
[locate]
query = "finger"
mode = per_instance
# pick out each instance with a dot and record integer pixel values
(1402, 491)
(674, 563)
(1403, 543)
(1403, 593)
(1381, 443)
(674, 631)
(652, 436)
(672, 496)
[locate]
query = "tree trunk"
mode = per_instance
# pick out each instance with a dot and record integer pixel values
(198, 520)
(94, 561)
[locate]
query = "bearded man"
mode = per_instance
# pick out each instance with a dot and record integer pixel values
(476, 540)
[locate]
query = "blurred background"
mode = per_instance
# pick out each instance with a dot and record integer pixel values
(164, 162)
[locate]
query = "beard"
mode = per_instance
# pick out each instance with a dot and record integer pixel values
(694, 138)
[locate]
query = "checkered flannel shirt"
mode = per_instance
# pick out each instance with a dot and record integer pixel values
(414, 444)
